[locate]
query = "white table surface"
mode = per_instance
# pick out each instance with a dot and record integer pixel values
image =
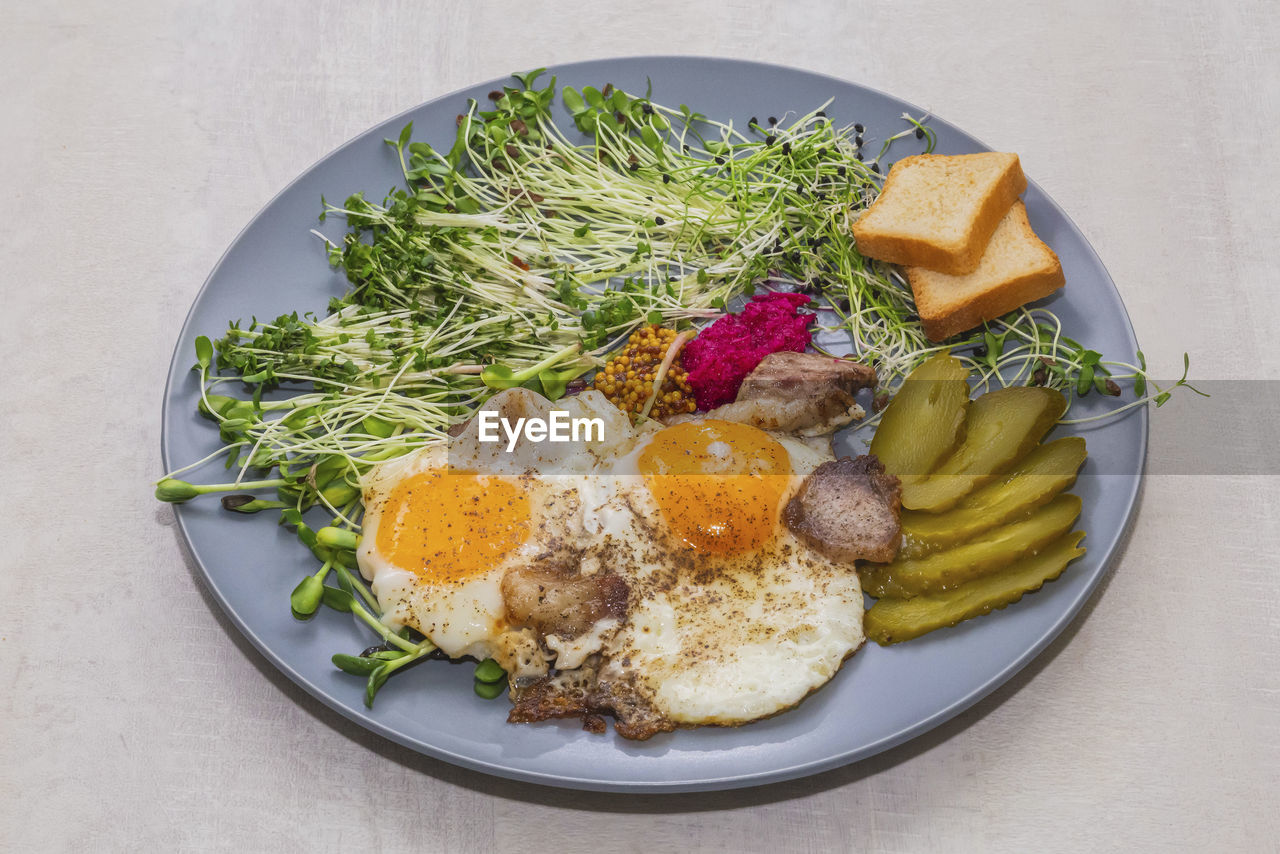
(137, 138)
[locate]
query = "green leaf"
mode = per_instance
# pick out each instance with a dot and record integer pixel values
(356, 665)
(375, 426)
(526, 79)
(344, 582)
(490, 690)
(404, 136)
(298, 417)
(215, 403)
(573, 101)
(337, 538)
(593, 96)
(500, 377)
(376, 680)
(249, 504)
(1085, 380)
(649, 137)
(1162, 398)
(995, 348)
(389, 654)
(306, 597)
(1140, 385)
(306, 535)
(204, 352)
(490, 671)
(337, 598)
(554, 383)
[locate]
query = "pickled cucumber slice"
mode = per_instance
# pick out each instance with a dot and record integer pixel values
(947, 570)
(1002, 427)
(925, 420)
(1037, 478)
(895, 620)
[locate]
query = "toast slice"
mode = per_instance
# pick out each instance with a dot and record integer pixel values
(1016, 269)
(938, 211)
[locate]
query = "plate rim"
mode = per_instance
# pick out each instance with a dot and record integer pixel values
(723, 782)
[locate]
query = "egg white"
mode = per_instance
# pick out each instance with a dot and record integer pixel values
(732, 638)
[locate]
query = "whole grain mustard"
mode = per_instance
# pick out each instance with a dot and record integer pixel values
(627, 378)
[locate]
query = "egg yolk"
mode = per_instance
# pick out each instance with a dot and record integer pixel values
(718, 484)
(449, 526)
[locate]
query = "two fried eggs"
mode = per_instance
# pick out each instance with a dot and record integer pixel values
(657, 558)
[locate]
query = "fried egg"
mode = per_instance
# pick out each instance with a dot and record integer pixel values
(445, 525)
(732, 617)
(652, 569)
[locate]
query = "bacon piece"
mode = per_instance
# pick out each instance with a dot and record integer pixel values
(849, 509)
(556, 601)
(806, 394)
(582, 694)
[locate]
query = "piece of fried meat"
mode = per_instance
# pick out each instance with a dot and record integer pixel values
(805, 394)
(849, 510)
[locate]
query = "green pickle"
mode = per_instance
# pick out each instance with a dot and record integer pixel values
(894, 620)
(1002, 427)
(1042, 474)
(925, 420)
(947, 570)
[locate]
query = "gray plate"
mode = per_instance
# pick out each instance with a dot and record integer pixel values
(882, 697)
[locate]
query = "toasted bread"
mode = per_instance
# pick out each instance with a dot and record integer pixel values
(1016, 269)
(939, 212)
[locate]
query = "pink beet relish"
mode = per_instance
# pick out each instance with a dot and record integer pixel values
(726, 351)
